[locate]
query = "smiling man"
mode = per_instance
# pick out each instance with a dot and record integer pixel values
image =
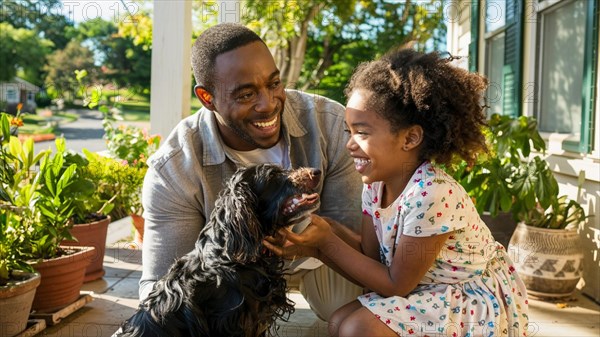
(248, 118)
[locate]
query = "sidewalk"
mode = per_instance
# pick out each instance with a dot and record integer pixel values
(115, 299)
(86, 132)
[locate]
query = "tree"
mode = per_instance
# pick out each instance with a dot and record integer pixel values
(22, 50)
(127, 64)
(45, 22)
(138, 27)
(135, 43)
(44, 17)
(285, 25)
(62, 65)
(96, 33)
(317, 44)
(124, 50)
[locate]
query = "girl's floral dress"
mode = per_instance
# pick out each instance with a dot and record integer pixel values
(472, 288)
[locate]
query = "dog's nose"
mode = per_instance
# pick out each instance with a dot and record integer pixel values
(316, 172)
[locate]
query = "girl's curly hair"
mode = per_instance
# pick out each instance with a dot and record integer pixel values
(414, 88)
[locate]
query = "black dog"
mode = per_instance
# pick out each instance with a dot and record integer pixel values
(229, 285)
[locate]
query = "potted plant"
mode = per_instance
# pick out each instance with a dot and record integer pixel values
(62, 267)
(120, 182)
(90, 211)
(512, 184)
(132, 146)
(18, 280)
(508, 180)
(546, 248)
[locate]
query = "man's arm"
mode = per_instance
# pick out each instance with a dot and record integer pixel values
(171, 229)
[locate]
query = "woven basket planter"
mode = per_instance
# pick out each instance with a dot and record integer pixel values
(549, 261)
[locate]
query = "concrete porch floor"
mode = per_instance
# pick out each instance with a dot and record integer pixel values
(115, 299)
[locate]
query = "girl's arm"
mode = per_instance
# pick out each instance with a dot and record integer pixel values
(344, 232)
(290, 251)
(413, 257)
(369, 243)
(366, 244)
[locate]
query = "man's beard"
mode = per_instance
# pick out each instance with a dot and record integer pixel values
(243, 134)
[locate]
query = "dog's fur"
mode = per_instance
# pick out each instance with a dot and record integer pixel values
(229, 285)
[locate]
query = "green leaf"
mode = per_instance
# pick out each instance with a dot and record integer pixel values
(49, 179)
(49, 213)
(15, 147)
(27, 153)
(39, 156)
(65, 179)
(80, 74)
(5, 124)
(505, 201)
(61, 145)
(4, 195)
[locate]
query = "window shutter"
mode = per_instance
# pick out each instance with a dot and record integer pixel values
(513, 46)
(589, 77)
(473, 46)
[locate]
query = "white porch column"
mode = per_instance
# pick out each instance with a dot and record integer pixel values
(171, 70)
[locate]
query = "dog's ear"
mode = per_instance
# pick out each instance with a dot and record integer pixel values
(237, 218)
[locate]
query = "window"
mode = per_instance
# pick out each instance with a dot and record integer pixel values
(495, 15)
(495, 27)
(11, 95)
(565, 67)
(493, 68)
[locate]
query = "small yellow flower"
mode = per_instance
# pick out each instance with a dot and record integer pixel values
(19, 107)
(155, 139)
(15, 121)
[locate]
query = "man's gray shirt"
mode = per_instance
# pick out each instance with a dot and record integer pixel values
(188, 171)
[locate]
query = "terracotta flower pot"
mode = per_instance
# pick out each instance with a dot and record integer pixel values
(15, 303)
(549, 261)
(138, 223)
(91, 234)
(62, 278)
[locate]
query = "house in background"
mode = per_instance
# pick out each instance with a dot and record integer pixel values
(541, 58)
(18, 91)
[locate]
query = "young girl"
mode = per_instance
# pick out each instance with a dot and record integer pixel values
(431, 266)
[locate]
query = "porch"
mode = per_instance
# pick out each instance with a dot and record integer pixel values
(115, 299)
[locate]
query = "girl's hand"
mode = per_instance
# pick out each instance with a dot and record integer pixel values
(287, 249)
(314, 235)
(290, 245)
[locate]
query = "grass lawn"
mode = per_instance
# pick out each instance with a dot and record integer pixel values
(37, 124)
(135, 108)
(138, 109)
